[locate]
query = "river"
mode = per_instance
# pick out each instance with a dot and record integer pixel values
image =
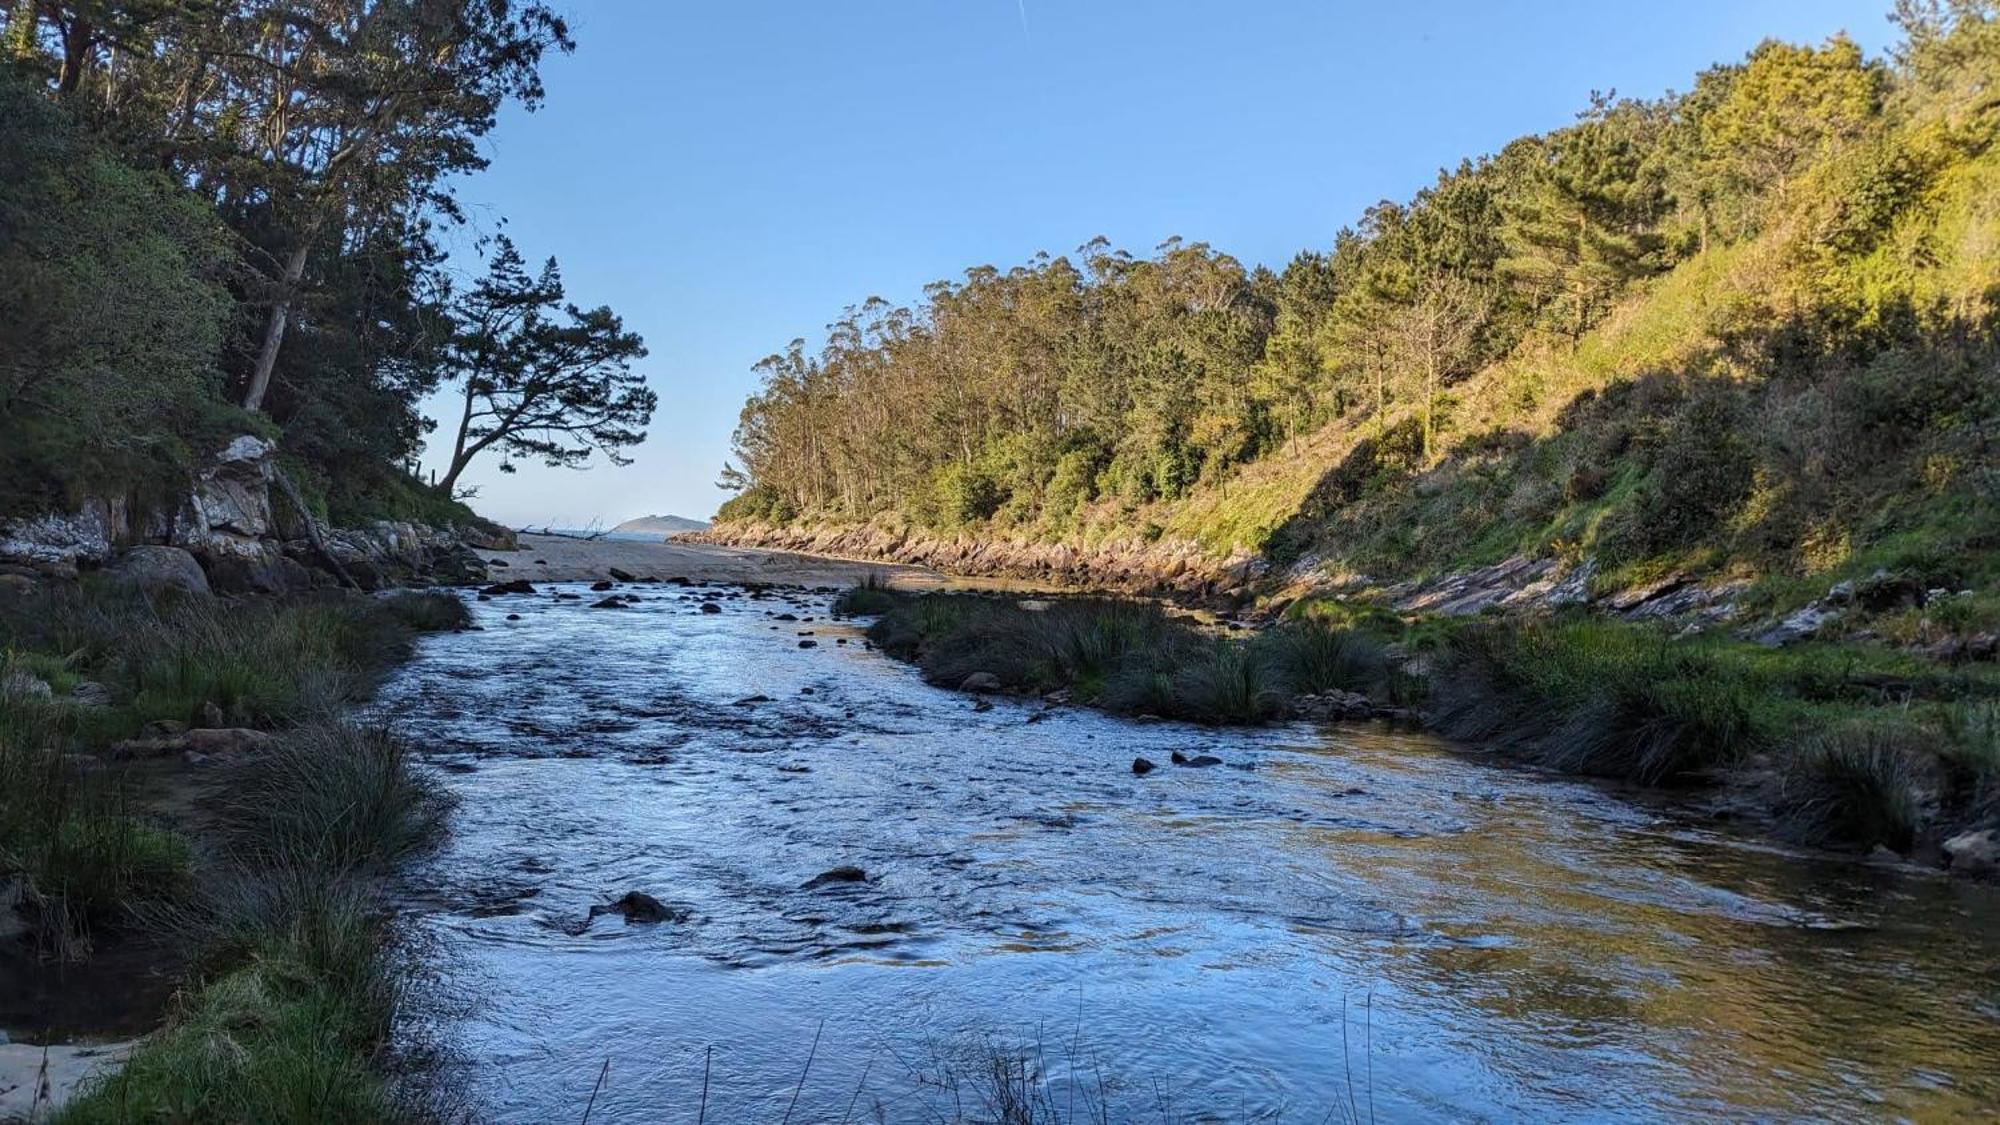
(1335, 924)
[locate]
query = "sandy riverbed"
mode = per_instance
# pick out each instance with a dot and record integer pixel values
(547, 558)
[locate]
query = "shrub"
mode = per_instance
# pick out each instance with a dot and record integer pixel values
(1314, 656)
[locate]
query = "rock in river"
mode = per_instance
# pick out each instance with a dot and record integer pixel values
(609, 603)
(710, 607)
(517, 586)
(1181, 759)
(843, 874)
(1141, 767)
(620, 575)
(638, 906)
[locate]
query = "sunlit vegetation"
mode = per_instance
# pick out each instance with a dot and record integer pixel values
(1746, 326)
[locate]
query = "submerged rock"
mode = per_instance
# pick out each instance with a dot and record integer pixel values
(601, 585)
(1141, 767)
(808, 644)
(638, 906)
(845, 873)
(710, 607)
(609, 603)
(517, 586)
(1198, 761)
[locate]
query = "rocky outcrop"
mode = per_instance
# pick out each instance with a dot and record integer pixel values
(1166, 567)
(237, 524)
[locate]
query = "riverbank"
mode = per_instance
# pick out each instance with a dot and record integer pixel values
(551, 558)
(193, 833)
(1850, 746)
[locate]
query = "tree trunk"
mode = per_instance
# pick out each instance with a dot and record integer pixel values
(274, 330)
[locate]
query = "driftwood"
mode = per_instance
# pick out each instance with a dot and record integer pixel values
(312, 528)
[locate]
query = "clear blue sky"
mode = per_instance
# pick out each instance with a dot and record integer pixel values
(729, 175)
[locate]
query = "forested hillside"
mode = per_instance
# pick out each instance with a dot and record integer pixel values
(229, 217)
(1751, 325)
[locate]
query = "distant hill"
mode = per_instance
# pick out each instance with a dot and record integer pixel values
(658, 525)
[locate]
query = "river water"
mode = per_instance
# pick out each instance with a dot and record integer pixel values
(1333, 925)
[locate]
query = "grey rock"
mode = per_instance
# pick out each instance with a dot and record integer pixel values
(161, 568)
(1973, 853)
(982, 682)
(710, 607)
(90, 693)
(24, 685)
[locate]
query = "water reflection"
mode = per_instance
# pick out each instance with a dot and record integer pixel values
(1327, 912)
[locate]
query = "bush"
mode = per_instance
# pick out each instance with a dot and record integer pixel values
(1314, 656)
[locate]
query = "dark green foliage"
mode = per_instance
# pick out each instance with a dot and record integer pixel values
(1606, 699)
(331, 796)
(1127, 657)
(872, 597)
(111, 313)
(1856, 785)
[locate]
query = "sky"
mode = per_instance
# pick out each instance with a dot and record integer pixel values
(730, 175)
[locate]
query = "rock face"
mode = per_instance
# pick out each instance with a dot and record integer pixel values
(161, 568)
(1165, 566)
(236, 524)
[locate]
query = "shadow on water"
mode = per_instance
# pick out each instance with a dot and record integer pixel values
(1245, 942)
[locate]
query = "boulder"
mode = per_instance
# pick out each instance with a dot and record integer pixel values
(981, 682)
(846, 873)
(601, 585)
(517, 586)
(261, 568)
(90, 693)
(608, 603)
(1141, 767)
(161, 568)
(710, 607)
(808, 644)
(1973, 853)
(638, 906)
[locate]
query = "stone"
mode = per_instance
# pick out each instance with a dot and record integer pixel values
(619, 575)
(609, 603)
(1141, 767)
(846, 873)
(1973, 853)
(90, 693)
(981, 682)
(638, 906)
(503, 564)
(161, 568)
(24, 685)
(517, 586)
(601, 585)
(1199, 761)
(513, 617)
(808, 644)
(710, 607)
(1797, 627)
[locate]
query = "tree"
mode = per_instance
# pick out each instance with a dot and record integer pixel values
(543, 378)
(1583, 224)
(1785, 108)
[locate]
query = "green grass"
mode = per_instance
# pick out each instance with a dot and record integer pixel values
(290, 1004)
(1127, 657)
